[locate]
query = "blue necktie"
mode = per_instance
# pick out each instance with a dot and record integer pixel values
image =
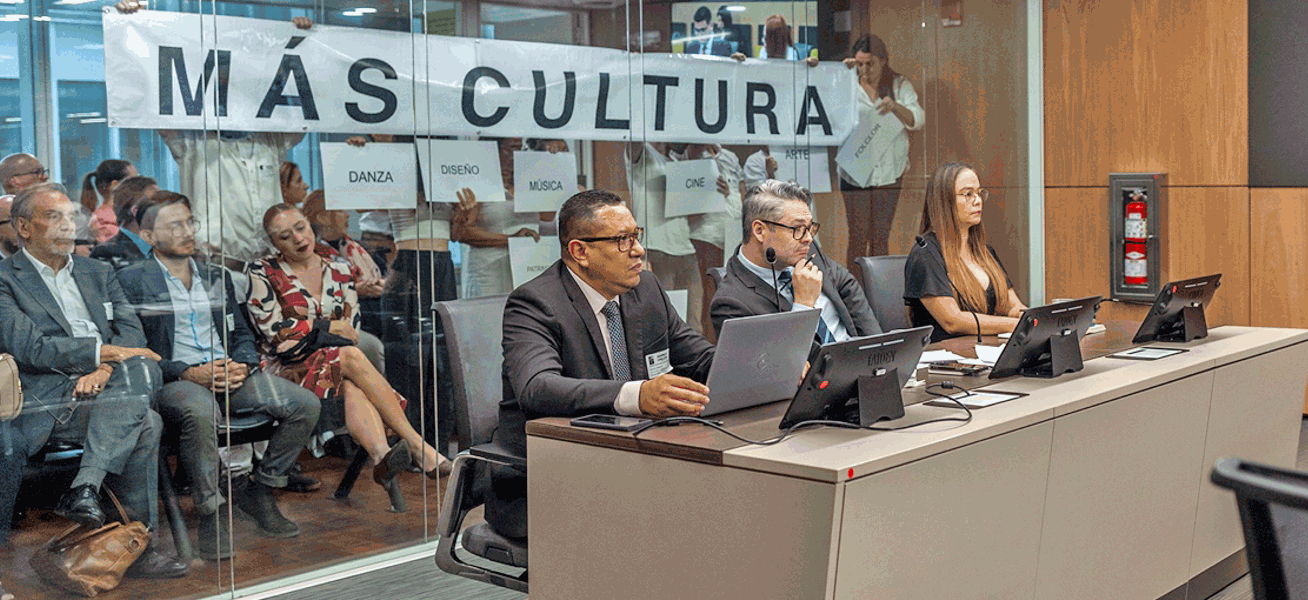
(784, 282)
(618, 340)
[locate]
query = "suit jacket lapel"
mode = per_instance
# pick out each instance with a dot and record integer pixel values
(587, 316)
(95, 301)
(763, 288)
(833, 296)
(159, 303)
(35, 285)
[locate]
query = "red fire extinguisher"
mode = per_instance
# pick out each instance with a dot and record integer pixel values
(1135, 240)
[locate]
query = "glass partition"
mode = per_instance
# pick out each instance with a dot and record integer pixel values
(320, 172)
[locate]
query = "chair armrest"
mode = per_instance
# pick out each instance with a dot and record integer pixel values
(498, 454)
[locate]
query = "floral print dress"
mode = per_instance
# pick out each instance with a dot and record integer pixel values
(284, 312)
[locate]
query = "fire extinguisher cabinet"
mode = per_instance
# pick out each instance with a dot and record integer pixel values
(1137, 210)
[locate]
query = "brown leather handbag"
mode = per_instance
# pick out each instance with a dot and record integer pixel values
(11, 388)
(89, 561)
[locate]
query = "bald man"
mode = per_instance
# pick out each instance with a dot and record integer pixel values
(8, 235)
(18, 171)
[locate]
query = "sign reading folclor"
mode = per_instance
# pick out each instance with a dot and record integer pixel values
(167, 70)
(693, 188)
(871, 139)
(452, 165)
(529, 258)
(373, 177)
(542, 181)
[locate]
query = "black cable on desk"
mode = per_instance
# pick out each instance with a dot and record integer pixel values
(946, 385)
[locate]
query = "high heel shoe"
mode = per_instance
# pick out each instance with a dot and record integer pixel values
(391, 465)
(443, 468)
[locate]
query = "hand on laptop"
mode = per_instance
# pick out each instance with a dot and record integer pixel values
(807, 282)
(671, 395)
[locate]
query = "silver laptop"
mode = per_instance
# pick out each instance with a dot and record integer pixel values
(759, 359)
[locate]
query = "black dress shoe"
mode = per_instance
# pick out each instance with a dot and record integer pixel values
(397, 459)
(254, 501)
(153, 565)
(82, 504)
(300, 483)
(214, 535)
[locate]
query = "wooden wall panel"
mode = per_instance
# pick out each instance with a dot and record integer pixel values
(1208, 232)
(1076, 242)
(1278, 257)
(1146, 85)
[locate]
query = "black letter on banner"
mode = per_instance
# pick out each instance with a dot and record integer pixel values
(569, 100)
(751, 110)
(819, 119)
(359, 85)
(470, 92)
(660, 97)
(699, 108)
(602, 120)
(169, 58)
(291, 65)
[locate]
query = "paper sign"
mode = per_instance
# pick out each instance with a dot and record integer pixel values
(680, 299)
(542, 181)
(452, 165)
(806, 166)
(529, 258)
(863, 148)
(693, 188)
(372, 177)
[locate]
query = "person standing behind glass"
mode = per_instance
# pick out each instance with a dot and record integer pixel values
(99, 209)
(870, 203)
(953, 280)
(486, 228)
(668, 251)
(708, 232)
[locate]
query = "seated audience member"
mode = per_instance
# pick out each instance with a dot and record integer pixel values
(98, 197)
(334, 244)
(8, 235)
(953, 279)
(579, 339)
(18, 171)
(302, 303)
(776, 215)
(128, 247)
(86, 374)
(193, 321)
(294, 189)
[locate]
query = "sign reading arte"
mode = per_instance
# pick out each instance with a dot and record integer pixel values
(187, 71)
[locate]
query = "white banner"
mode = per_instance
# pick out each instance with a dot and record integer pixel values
(168, 70)
(693, 188)
(449, 166)
(369, 178)
(542, 181)
(806, 166)
(529, 258)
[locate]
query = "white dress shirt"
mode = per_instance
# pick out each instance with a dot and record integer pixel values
(893, 162)
(628, 401)
(830, 317)
(69, 298)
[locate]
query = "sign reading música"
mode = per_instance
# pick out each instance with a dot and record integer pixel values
(168, 70)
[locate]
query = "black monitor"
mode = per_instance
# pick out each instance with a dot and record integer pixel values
(1047, 340)
(859, 380)
(1177, 314)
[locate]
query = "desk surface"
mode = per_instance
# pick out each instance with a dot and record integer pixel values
(832, 454)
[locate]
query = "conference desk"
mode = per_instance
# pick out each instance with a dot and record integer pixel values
(1095, 485)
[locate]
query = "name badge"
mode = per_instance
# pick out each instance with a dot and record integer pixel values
(658, 363)
(109, 311)
(231, 322)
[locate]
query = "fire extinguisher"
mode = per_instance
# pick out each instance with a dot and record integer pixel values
(1135, 239)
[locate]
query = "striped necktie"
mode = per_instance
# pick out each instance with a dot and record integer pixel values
(618, 340)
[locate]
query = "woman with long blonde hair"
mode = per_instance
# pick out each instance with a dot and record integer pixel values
(953, 279)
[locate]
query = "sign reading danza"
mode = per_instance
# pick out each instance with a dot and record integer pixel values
(168, 70)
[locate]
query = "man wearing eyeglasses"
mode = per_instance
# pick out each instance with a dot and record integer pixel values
(8, 235)
(192, 319)
(594, 333)
(18, 171)
(776, 216)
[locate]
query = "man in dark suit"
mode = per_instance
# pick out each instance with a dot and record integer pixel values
(128, 247)
(85, 372)
(594, 333)
(710, 42)
(192, 319)
(775, 215)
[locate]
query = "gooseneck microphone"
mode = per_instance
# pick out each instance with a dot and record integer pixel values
(921, 242)
(771, 255)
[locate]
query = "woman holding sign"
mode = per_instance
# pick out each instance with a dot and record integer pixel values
(953, 280)
(871, 187)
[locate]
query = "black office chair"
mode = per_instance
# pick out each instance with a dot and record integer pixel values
(1273, 505)
(472, 329)
(883, 282)
(717, 274)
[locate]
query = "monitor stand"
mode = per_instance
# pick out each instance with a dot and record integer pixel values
(880, 397)
(1192, 325)
(1064, 357)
